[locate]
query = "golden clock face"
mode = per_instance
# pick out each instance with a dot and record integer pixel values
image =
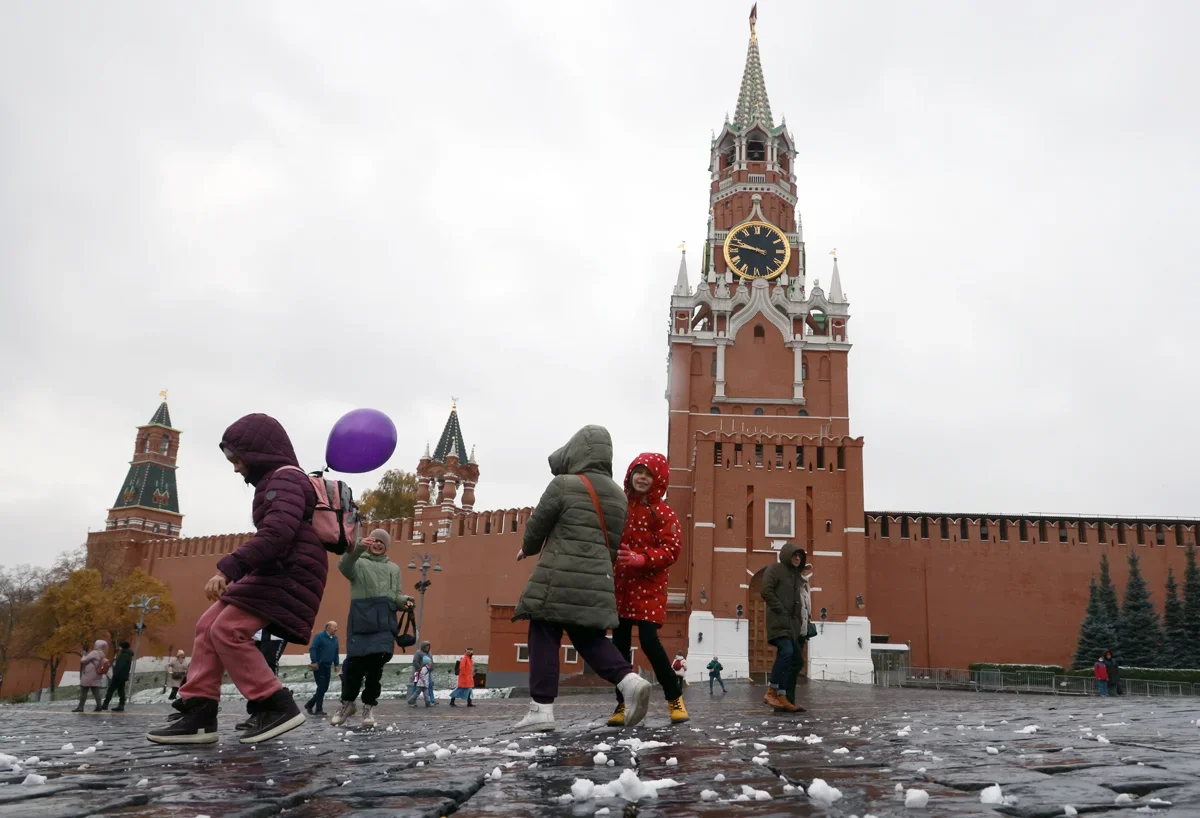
(757, 250)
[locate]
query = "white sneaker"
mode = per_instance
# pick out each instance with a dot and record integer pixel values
(347, 710)
(368, 716)
(636, 692)
(539, 719)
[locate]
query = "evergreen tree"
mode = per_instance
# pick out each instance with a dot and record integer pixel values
(1108, 596)
(1138, 631)
(1095, 634)
(1191, 609)
(1175, 646)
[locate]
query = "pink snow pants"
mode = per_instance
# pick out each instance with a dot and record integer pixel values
(225, 644)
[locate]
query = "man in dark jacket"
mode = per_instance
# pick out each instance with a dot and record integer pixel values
(324, 657)
(785, 590)
(577, 529)
(120, 678)
(415, 692)
(275, 579)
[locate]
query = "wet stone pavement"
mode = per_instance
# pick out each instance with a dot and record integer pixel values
(877, 752)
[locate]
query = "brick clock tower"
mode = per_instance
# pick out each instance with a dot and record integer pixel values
(759, 431)
(147, 506)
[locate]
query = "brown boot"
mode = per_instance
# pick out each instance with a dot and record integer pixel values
(773, 699)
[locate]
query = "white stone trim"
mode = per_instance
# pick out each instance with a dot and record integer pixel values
(852, 530)
(827, 553)
(730, 550)
(705, 525)
(760, 303)
(747, 587)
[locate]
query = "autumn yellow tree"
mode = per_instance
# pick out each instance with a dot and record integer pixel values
(393, 498)
(118, 619)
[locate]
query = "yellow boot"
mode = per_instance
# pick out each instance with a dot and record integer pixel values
(679, 713)
(617, 719)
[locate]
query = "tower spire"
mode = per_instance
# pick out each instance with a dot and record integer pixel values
(835, 283)
(753, 107)
(681, 283)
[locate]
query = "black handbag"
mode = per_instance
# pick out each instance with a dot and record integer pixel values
(407, 636)
(812, 631)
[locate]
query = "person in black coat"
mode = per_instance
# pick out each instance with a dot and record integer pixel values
(120, 677)
(1114, 673)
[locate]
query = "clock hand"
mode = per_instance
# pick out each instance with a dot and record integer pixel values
(741, 246)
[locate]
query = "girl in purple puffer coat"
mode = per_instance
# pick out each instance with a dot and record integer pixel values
(274, 581)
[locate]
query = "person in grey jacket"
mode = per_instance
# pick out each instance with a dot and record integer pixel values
(576, 528)
(371, 626)
(414, 691)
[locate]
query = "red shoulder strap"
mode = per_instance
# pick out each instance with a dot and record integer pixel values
(587, 484)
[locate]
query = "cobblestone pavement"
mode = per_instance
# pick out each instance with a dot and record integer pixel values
(876, 746)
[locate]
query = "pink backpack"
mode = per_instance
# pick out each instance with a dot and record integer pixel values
(335, 517)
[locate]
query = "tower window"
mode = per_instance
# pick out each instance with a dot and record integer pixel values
(716, 410)
(730, 157)
(820, 457)
(737, 454)
(883, 526)
(165, 446)
(1120, 533)
(713, 369)
(718, 458)
(1160, 536)
(803, 371)
(800, 455)
(945, 529)
(904, 527)
(760, 334)
(1004, 531)
(962, 530)
(841, 457)
(803, 413)
(1042, 531)
(145, 443)
(1082, 532)
(1141, 534)
(924, 528)
(1062, 532)
(1023, 529)
(758, 410)
(758, 454)
(983, 530)
(779, 457)
(756, 152)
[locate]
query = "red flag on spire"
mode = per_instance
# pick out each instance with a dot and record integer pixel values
(753, 15)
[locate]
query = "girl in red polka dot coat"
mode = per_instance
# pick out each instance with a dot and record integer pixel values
(649, 547)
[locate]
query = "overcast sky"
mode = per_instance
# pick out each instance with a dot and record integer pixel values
(300, 209)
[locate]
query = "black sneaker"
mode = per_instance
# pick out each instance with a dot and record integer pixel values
(197, 724)
(277, 714)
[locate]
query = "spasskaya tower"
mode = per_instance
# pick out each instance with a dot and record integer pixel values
(759, 431)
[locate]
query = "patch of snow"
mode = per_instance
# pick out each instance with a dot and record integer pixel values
(916, 799)
(1124, 798)
(495, 774)
(822, 793)
(68, 746)
(34, 780)
(86, 751)
(601, 747)
(1069, 810)
(442, 754)
(599, 759)
(1103, 740)
(708, 795)
(752, 794)
(992, 751)
(719, 777)
(672, 762)
(1028, 730)
(841, 751)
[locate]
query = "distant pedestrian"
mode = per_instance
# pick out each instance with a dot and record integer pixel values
(323, 657)
(423, 679)
(271, 647)
(1101, 671)
(274, 580)
(577, 529)
(120, 678)
(177, 670)
(649, 547)
(466, 679)
(785, 590)
(92, 668)
(415, 691)
(1114, 673)
(371, 626)
(714, 675)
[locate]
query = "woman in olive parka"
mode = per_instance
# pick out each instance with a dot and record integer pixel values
(576, 529)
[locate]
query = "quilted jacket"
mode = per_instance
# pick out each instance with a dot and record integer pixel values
(651, 529)
(572, 583)
(785, 590)
(279, 573)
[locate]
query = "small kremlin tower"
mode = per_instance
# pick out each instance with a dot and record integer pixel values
(443, 473)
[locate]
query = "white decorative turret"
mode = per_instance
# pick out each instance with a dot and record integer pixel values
(835, 287)
(681, 282)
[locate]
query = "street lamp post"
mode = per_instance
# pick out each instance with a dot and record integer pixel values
(143, 603)
(422, 586)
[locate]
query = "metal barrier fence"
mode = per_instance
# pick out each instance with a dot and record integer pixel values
(1003, 681)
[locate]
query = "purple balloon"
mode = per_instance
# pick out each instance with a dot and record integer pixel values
(361, 441)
